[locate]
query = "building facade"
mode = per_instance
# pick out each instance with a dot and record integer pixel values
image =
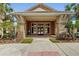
(41, 20)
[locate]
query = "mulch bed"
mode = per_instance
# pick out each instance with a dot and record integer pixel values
(6, 41)
(69, 41)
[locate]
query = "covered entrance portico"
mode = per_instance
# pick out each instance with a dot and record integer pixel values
(41, 23)
(41, 20)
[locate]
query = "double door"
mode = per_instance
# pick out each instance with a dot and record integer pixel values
(40, 29)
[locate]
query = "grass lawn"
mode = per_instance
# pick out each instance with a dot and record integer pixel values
(54, 40)
(26, 40)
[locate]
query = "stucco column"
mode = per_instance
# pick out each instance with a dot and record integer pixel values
(1, 21)
(61, 24)
(22, 26)
(56, 28)
(21, 29)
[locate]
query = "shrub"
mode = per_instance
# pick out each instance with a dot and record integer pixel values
(61, 36)
(27, 40)
(6, 36)
(65, 36)
(77, 35)
(54, 40)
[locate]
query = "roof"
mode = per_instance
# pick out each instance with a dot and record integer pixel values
(42, 6)
(42, 14)
(46, 11)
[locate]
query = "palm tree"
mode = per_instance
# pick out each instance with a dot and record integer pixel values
(75, 8)
(5, 9)
(68, 8)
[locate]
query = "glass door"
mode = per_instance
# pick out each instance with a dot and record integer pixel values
(40, 29)
(46, 28)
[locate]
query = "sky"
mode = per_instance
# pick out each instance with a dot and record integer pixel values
(20, 7)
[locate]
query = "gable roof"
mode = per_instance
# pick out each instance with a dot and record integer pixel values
(42, 7)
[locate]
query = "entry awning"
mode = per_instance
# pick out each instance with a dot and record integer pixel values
(41, 14)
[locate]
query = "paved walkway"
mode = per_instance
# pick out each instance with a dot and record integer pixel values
(40, 47)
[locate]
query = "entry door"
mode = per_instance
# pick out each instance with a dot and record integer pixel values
(40, 29)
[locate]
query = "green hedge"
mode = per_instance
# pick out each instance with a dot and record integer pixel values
(54, 40)
(6, 36)
(27, 40)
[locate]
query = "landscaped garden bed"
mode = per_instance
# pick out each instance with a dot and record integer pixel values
(6, 41)
(26, 40)
(54, 40)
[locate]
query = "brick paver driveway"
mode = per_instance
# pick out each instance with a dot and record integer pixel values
(40, 47)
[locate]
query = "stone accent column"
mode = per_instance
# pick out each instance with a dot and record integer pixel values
(61, 24)
(75, 30)
(22, 26)
(56, 28)
(1, 31)
(21, 29)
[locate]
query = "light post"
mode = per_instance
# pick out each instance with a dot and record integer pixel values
(14, 26)
(73, 26)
